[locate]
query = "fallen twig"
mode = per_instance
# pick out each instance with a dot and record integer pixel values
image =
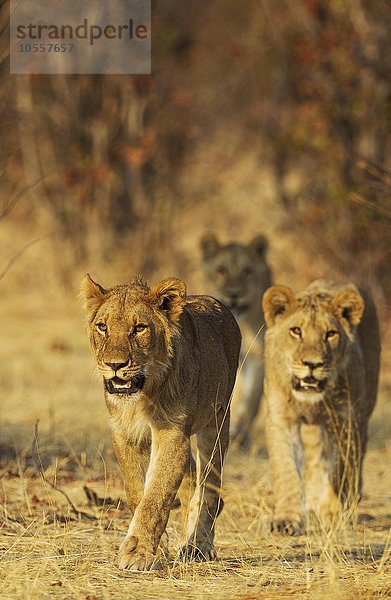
(79, 513)
(95, 500)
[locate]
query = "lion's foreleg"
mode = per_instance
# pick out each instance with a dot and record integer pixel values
(320, 496)
(285, 455)
(246, 399)
(133, 461)
(212, 443)
(169, 458)
(345, 451)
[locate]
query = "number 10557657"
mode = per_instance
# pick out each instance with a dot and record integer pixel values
(26, 47)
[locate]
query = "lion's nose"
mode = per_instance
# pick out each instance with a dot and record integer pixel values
(233, 298)
(313, 365)
(117, 365)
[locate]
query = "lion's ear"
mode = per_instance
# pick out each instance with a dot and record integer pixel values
(348, 305)
(259, 245)
(209, 245)
(92, 294)
(170, 296)
(277, 300)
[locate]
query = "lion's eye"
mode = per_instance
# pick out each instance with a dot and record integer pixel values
(331, 334)
(247, 272)
(295, 332)
(101, 327)
(139, 328)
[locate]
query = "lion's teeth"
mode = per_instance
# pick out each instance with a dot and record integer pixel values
(308, 386)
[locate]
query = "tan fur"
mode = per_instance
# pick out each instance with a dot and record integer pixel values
(168, 363)
(322, 352)
(238, 275)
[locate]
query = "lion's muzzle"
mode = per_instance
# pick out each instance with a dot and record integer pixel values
(308, 384)
(116, 385)
(236, 306)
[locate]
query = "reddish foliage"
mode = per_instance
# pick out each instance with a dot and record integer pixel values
(307, 54)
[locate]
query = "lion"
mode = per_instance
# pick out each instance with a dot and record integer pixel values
(168, 363)
(238, 275)
(322, 353)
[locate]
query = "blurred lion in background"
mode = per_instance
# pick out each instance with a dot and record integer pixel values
(322, 354)
(168, 363)
(238, 275)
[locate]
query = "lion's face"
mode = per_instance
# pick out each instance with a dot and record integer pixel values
(314, 345)
(310, 334)
(236, 274)
(131, 329)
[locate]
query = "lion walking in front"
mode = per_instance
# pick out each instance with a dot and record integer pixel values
(168, 363)
(322, 354)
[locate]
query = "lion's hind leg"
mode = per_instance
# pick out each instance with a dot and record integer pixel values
(206, 504)
(186, 493)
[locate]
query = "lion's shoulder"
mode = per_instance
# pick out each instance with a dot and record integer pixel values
(208, 313)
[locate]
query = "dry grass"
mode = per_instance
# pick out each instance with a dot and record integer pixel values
(46, 549)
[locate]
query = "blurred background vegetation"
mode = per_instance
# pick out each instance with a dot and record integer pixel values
(287, 102)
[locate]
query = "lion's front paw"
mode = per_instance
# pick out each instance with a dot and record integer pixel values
(199, 552)
(132, 555)
(288, 526)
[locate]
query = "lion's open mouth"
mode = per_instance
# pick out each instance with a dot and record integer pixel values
(236, 308)
(308, 384)
(121, 386)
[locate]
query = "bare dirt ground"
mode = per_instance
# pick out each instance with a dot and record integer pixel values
(56, 542)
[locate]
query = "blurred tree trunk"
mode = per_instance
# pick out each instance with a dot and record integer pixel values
(77, 135)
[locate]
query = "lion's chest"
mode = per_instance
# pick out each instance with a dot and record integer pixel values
(129, 419)
(335, 404)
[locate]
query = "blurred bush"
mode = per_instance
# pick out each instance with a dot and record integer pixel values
(304, 86)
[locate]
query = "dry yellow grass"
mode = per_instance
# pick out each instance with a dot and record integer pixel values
(46, 550)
